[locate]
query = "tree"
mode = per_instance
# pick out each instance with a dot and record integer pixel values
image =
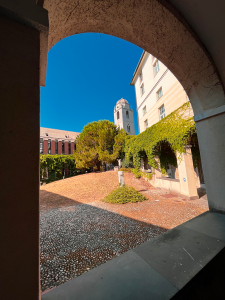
(99, 143)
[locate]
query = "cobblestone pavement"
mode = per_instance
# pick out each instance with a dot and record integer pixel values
(79, 232)
(79, 238)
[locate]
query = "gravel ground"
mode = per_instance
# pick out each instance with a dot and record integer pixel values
(78, 238)
(79, 232)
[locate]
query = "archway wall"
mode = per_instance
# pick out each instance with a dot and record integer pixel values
(151, 26)
(157, 27)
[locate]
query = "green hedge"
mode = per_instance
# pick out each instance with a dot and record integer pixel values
(55, 164)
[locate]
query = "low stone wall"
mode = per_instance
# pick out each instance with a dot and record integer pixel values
(166, 183)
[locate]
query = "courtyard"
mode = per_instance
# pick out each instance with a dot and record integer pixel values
(79, 232)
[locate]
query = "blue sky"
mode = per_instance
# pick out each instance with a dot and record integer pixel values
(86, 75)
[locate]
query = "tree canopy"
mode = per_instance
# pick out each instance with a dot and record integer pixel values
(99, 143)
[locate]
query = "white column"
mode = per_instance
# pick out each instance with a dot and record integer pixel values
(142, 165)
(187, 174)
(157, 171)
(119, 163)
(211, 138)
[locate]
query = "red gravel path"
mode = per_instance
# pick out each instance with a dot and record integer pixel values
(91, 188)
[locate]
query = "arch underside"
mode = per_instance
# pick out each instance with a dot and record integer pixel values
(151, 26)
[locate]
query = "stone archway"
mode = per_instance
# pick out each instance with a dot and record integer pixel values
(153, 25)
(159, 29)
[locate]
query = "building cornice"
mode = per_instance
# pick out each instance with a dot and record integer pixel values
(144, 53)
(45, 138)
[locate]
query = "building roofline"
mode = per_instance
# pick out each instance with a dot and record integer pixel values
(60, 130)
(138, 65)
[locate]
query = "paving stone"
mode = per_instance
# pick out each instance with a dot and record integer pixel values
(180, 253)
(72, 241)
(125, 277)
(209, 223)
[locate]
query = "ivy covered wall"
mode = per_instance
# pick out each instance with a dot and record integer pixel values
(164, 139)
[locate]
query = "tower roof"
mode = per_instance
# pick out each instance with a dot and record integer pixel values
(122, 101)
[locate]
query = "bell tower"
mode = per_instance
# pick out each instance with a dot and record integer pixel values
(124, 117)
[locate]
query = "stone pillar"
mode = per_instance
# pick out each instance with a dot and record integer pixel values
(142, 165)
(211, 138)
(157, 171)
(119, 163)
(19, 171)
(187, 174)
(121, 178)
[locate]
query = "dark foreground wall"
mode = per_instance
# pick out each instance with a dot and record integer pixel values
(19, 167)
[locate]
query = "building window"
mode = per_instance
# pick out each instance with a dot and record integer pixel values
(63, 148)
(49, 146)
(144, 110)
(142, 89)
(128, 128)
(127, 114)
(146, 123)
(156, 67)
(141, 77)
(69, 146)
(41, 146)
(118, 115)
(162, 112)
(75, 146)
(159, 94)
(56, 147)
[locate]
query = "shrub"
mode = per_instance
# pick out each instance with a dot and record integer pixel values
(163, 171)
(124, 194)
(147, 175)
(127, 164)
(137, 173)
(129, 170)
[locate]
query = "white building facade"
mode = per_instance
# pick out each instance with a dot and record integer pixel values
(124, 117)
(157, 90)
(159, 93)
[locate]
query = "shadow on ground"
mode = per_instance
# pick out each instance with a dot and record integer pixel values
(54, 202)
(77, 238)
(202, 193)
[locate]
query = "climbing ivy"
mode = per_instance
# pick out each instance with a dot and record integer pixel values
(56, 163)
(164, 139)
